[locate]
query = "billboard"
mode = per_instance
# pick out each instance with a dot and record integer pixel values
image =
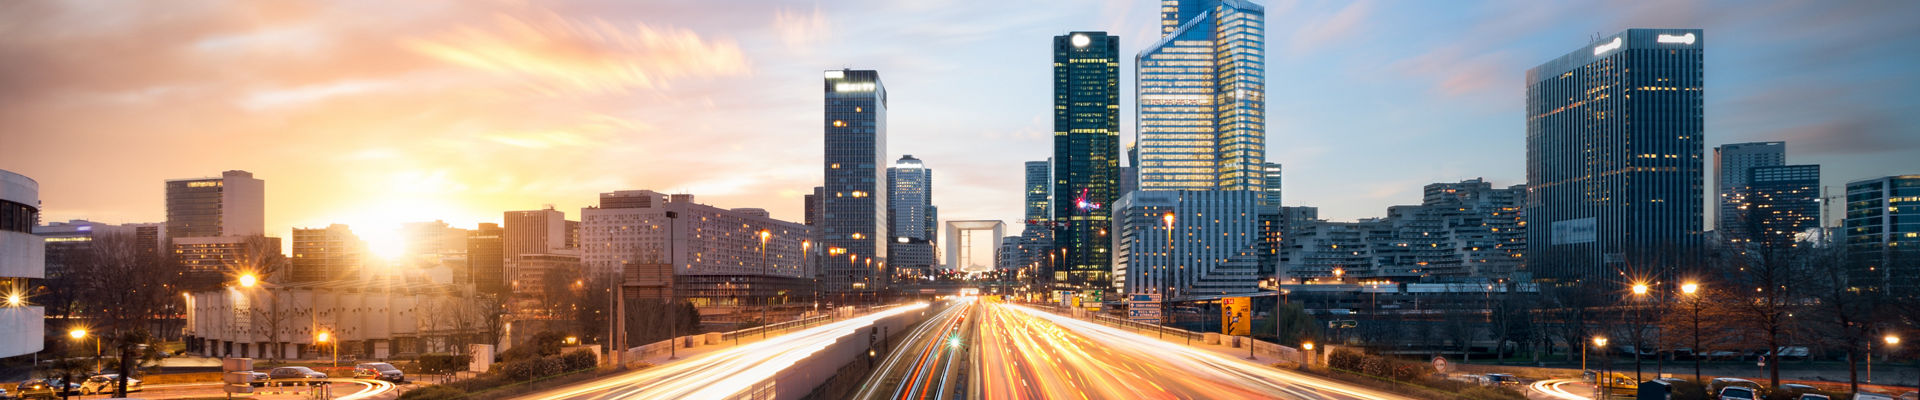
(1236, 316)
(1574, 231)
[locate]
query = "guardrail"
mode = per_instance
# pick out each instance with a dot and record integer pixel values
(1260, 348)
(664, 347)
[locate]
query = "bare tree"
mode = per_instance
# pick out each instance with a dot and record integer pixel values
(123, 289)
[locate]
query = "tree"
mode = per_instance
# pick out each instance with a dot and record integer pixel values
(1764, 277)
(123, 289)
(1510, 320)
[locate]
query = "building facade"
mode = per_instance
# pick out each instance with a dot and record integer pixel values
(1467, 231)
(67, 242)
(1270, 186)
(1734, 161)
(854, 223)
(367, 319)
(327, 254)
(1086, 158)
(716, 254)
(1212, 248)
(1883, 234)
(1782, 203)
(233, 204)
(22, 260)
(1037, 195)
(1201, 97)
(1614, 158)
(912, 216)
(486, 258)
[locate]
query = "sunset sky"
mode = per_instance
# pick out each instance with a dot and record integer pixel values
(373, 113)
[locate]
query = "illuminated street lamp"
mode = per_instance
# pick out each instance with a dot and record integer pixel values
(766, 301)
(1692, 290)
(248, 280)
(324, 337)
(1606, 374)
(1165, 278)
(1639, 293)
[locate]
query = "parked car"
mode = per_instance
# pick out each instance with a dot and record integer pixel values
(259, 378)
(1737, 393)
(1718, 384)
(104, 383)
(1811, 396)
(1871, 396)
(381, 371)
(44, 389)
(1503, 380)
(295, 373)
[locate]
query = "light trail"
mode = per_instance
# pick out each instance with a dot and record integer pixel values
(722, 373)
(1029, 353)
(1551, 387)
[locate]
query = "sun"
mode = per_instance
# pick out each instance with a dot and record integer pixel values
(384, 240)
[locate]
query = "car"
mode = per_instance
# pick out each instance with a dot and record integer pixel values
(1719, 384)
(381, 371)
(104, 383)
(1737, 393)
(259, 378)
(1503, 380)
(295, 373)
(1811, 396)
(43, 389)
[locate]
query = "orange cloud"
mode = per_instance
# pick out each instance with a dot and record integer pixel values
(557, 55)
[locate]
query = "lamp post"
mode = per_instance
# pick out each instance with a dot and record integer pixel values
(1165, 275)
(1605, 378)
(1639, 297)
(1891, 340)
(766, 300)
(1692, 290)
(325, 337)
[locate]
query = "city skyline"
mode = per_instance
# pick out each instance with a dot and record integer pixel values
(511, 91)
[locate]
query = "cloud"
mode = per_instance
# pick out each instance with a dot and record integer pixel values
(801, 30)
(557, 55)
(1334, 29)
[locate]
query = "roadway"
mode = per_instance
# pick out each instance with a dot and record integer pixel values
(1025, 353)
(927, 364)
(737, 371)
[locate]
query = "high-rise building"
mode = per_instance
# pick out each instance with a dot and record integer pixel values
(1882, 239)
(67, 242)
(910, 198)
(1215, 242)
(544, 231)
(854, 223)
(233, 204)
(1783, 202)
(814, 207)
(1086, 158)
(715, 252)
(22, 257)
(1734, 160)
(1614, 158)
(1038, 192)
(1270, 183)
(1201, 98)
(486, 258)
(327, 254)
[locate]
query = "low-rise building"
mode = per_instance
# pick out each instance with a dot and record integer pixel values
(375, 318)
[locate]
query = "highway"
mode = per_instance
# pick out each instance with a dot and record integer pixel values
(736, 371)
(928, 360)
(1026, 353)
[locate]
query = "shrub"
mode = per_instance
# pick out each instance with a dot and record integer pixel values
(434, 392)
(579, 359)
(444, 363)
(1345, 359)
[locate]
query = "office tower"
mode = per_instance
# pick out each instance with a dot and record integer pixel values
(533, 232)
(1782, 204)
(1270, 183)
(208, 259)
(1883, 246)
(327, 254)
(22, 325)
(233, 204)
(152, 237)
(715, 252)
(436, 238)
(909, 197)
(67, 243)
(1614, 168)
(1201, 91)
(1039, 191)
(814, 207)
(855, 217)
(1086, 158)
(1734, 160)
(486, 258)
(1215, 242)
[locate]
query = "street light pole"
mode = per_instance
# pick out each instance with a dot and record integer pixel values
(766, 300)
(1639, 297)
(1692, 291)
(1165, 277)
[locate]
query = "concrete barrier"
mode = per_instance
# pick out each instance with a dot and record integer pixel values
(803, 376)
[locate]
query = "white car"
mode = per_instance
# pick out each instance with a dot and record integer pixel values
(104, 383)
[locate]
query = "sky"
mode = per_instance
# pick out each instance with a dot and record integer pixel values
(373, 113)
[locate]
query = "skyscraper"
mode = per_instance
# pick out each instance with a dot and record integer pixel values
(233, 204)
(1782, 202)
(1884, 250)
(813, 207)
(1614, 158)
(1201, 97)
(1039, 190)
(909, 198)
(1733, 161)
(1270, 183)
(854, 223)
(1086, 156)
(486, 258)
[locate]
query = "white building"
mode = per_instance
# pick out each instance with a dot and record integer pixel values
(1215, 245)
(378, 319)
(22, 257)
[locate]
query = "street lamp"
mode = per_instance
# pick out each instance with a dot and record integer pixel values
(1605, 378)
(1639, 294)
(1165, 278)
(248, 280)
(766, 301)
(1692, 291)
(323, 337)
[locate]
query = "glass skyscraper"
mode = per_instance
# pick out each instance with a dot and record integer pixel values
(1614, 158)
(1734, 160)
(1882, 235)
(1038, 190)
(1201, 95)
(854, 222)
(1086, 157)
(1783, 202)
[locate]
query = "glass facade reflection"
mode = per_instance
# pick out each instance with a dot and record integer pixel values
(1086, 157)
(1201, 95)
(854, 222)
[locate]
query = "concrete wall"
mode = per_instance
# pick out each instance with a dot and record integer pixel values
(800, 378)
